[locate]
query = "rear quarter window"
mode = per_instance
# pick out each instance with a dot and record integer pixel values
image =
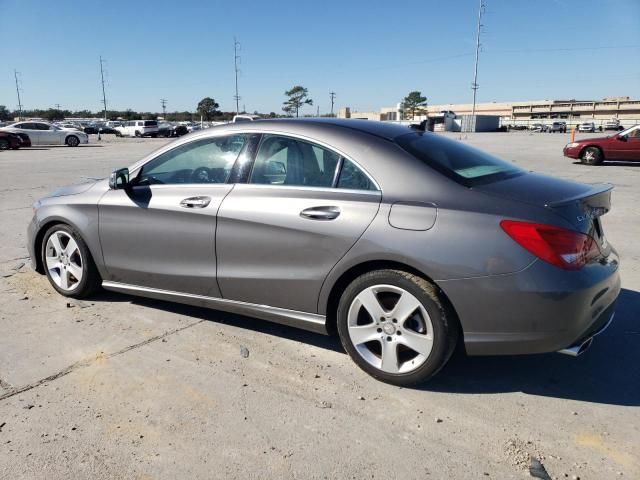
(461, 163)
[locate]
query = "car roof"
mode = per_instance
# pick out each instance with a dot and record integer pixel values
(384, 130)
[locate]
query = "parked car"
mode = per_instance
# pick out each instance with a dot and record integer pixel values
(193, 127)
(613, 124)
(593, 151)
(518, 127)
(539, 127)
(69, 126)
(139, 128)
(9, 140)
(401, 241)
(558, 127)
(587, 127)
(42, 133)
(102, 128)
(166, 129)
(245, 118)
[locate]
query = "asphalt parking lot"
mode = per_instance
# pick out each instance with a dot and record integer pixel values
(121, 387)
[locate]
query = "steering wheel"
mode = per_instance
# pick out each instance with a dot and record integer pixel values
(201, 175)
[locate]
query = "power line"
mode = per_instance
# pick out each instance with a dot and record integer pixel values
(163, 102)
(104, 96)
(15, 74)
(474, 85)
(236, 60)
(332, 95)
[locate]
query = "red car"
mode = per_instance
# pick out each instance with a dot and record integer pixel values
(9, 140)
(621, 146)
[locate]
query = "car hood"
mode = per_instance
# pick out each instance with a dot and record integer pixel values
(589, 140)
(73, 189)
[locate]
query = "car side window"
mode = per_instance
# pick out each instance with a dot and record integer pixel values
(42, 126)
(204, 161)
(353, 178)
(288, 161)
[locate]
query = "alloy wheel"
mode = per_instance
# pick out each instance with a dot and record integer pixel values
(64, 260)
(390, 329)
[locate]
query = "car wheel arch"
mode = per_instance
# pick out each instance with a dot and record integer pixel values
(591, 146)
(39, 238)
(338, 287)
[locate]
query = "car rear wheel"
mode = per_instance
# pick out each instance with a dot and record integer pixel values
(4, 144)
(72, 141)
(395, 327)
(591, 156)
(68, 262)
(138, 134)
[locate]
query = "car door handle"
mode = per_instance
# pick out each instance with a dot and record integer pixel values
(195, 202)
(320, 213)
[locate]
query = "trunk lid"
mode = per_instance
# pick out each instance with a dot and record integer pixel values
(580, 204)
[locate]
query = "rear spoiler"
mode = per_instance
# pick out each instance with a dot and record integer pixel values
(597, 189)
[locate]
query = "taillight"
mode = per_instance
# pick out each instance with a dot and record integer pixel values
(558, 246)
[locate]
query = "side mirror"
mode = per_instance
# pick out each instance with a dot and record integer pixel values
(119, 179)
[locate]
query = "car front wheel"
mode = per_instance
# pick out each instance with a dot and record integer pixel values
(72, 141)
(591, 156)
(68, 262)
(395, 327)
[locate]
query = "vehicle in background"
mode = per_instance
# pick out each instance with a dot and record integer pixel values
(539, 127)
(558, 127)
(322, 224)
(518, 127)
(101, 128)
(620, 146)
(69, 126)
(166, 129)
(139, 128)
(42, 133)
(9, 140)
(244, 118)
(613, 124)
(113, 123)
(194, 127)
(587, 127)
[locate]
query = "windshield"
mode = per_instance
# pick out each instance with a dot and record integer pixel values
(463, 164)
(629, 131)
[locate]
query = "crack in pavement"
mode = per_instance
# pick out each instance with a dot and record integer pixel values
(88, 362)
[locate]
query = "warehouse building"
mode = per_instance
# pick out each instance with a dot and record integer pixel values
(625, 109)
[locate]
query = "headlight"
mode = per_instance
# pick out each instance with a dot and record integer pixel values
(572, 145)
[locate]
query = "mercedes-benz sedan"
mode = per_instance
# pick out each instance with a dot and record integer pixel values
(403, 242)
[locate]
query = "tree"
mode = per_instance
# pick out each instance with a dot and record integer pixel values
(53, 114)
(4, 114)
(207, 107)
(298, 97)
(414, 102)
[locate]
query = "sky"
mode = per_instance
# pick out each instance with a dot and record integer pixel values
(370, 53)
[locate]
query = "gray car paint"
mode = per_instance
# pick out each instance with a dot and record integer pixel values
(506, 300)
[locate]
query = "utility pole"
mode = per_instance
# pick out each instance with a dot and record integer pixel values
(163, 102)
(332, 95)
(474, 85)
(57, 105)
(104, 96)
(236, 61)
(317, 110)
(15, 74)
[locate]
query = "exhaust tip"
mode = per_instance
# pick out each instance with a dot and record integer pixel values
(577, 349)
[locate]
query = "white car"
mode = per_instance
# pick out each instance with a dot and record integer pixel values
(43, 133)
(587, 127)
(139, 128)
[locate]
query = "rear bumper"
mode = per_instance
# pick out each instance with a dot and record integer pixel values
(538, 310)
(32, 230)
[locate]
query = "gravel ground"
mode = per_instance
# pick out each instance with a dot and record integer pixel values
(120, 387)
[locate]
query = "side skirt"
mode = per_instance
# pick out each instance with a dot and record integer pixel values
(306, 321)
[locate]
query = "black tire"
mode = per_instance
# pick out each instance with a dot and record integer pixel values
(591, 156)
(90, 281)
(72, 141)
(137, 134)
(4, 144)
(445, 329)
(154, 135)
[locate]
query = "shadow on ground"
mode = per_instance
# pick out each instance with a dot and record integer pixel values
(607, 373)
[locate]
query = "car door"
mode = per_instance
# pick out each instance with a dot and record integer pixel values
(632, 145)
(48, 135)
(302, 209)
(160, 232)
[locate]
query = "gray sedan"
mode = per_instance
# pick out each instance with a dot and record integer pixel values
(403, 242)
